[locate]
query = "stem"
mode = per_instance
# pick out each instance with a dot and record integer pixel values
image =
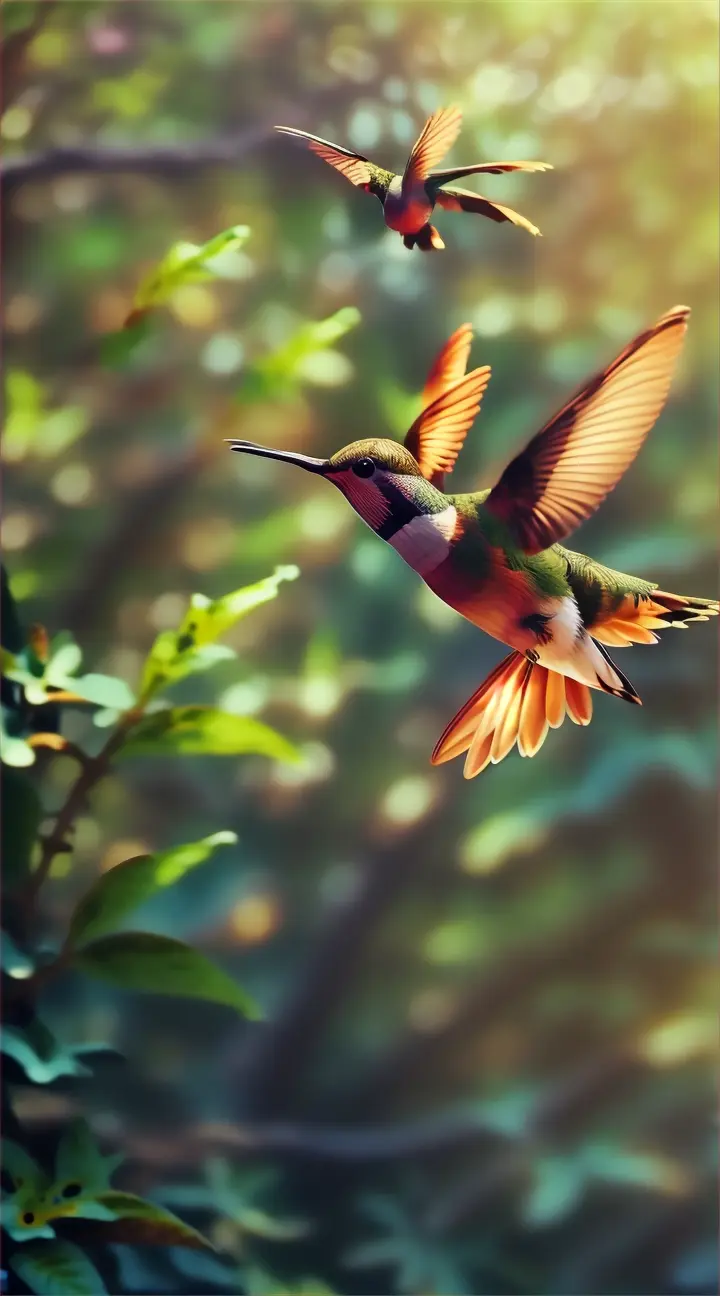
(93, 770)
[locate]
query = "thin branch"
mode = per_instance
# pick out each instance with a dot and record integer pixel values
(93, 770)
(172, 161)
(313, 1142)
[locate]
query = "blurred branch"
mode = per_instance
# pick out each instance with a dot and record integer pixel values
(15, 46)
(276, 1057)
(517, 975)
(172, 161)
(320, 1143)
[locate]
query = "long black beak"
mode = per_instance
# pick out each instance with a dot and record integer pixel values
(287, 456)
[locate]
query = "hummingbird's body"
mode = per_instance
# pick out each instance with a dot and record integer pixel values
(408, 200)
(495, 555)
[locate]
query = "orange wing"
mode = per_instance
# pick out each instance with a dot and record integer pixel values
(465, 200)
(436, 139)
(437, 435)
(356, 168)
(566, 471)
(449, 365)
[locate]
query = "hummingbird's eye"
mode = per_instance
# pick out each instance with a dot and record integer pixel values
(364, 468)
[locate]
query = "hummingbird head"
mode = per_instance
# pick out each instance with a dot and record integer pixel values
(380, 478)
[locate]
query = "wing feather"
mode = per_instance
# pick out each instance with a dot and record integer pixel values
(486, 168)
(465, 200)
(449, 364)
(435, 140)
(569, 467)
(356, 168)
(437, 435)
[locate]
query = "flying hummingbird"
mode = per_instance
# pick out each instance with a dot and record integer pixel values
(408, 199)
(496, 557)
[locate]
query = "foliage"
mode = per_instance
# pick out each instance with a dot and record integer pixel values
(44, 674)
(486, 1059)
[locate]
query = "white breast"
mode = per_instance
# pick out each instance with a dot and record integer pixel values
(425, 542)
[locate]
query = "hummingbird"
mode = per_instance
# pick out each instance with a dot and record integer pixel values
(408, 200)
(496, 556)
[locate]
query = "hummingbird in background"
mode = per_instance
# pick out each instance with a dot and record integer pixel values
(408, 200)
(496, 556)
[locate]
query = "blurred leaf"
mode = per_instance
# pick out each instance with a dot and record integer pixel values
(79, 1158)
(30, 427)
(14, 751)
(559, 1183)
(39, 1070)
(203, 731)
(20, 821)
(130, 883)
(192, 647)
(142, 1223)
(24, 1182)
(15, 962)
(21, 1168)
(277, 375)
(187, 263)
(259, 1224)
(143, 961)
(57, 1269)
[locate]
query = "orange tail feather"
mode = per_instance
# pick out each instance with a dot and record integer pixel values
(517, 703)
(633, 622)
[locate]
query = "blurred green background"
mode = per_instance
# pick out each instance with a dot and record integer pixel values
(501, 995)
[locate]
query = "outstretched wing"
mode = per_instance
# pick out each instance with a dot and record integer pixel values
(487, 168)
(437, 435)
(566, 471)
(465, 200)
(449, 364)
(435, 140)
(356, 168)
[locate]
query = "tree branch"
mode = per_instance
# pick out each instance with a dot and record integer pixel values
(172, 161)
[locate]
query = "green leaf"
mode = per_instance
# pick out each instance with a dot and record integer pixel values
(296, 360)
(120, 890)
(102, 690)
(20, 821)
(15, 962)
(142, 1223)
(187, 263)
(204, 731)
(14, 751)
(144, 961)
(37, 1069)
(57, 1269)
(79, 1158)
(559, 1183)
(192, 646)
(21, 1167)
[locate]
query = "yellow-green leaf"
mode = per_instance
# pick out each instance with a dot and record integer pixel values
(144, 961)
(187, 263)
(142, 1223)
(205, 731)
(192, 647)
(117, 892)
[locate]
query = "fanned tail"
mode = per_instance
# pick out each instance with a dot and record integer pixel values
(517, 703)
(636, 620)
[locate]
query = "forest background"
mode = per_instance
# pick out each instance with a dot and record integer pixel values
(488, 1054)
